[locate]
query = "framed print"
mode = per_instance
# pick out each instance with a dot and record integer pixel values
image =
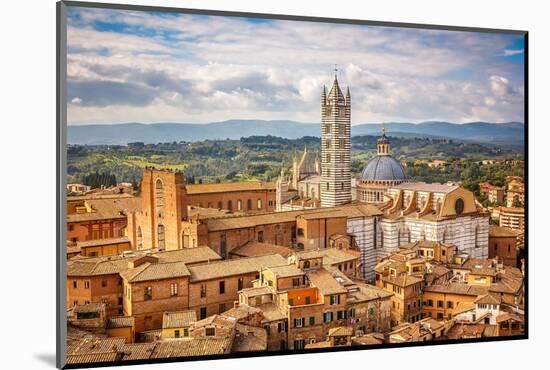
(237, 184)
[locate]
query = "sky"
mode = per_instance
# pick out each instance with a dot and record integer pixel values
(133, 66)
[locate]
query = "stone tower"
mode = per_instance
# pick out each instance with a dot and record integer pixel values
(335, 146)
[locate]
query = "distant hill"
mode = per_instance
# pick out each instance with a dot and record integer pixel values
(504, 133)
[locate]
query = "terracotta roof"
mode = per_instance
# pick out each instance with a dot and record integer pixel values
(178, 319)
(92, 345)
(402, 280)
(331, 256)
(188, 255)
(234, 267)
(249, 339)
(106, 265)
(369, 292)
(510, 316)
(89, 307)
(325, 282)
(457, 288)
(510, 280)
(272, 312)
(236, 222)
(502, 232)
(226, 187)
(107, 209)
(192, 347)
(253, 248)
(368, 339)
(96, 242)
(120, 322)
(88, 358)
(216, 320)
(241, 312)
(239, 222)
(75, 198)
(340, 331)
(155, 271)
(488, 299)
(286, 270)
(137, 351)
(257, 291)
(462, 307)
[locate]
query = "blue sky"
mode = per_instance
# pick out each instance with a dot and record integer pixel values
(131, 66)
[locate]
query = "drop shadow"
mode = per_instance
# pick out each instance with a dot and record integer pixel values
(47, 358)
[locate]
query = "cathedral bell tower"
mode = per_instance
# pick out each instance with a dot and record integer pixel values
(335, 146)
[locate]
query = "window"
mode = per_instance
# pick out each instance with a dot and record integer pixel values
(176, 333)
(148, 293)
(371, 311)
(290, 301)
(459, 206)
(185, 332)
(440, 304)
(210, 332)
(334, 299)
(173, 289)
(86, 284)
(270, 203)
(161, 237)
(103, 283)
(327, 317)
(267, 329)
(220, 206)
(352, 312)
(281, 327)
(222, 287)
(312, 320)
(261, 236)
(240, 284)
(296, 282)
(430, 303)
(203, 290)
(230, 205)
(249, 204)
(259, 204)
(299, 322)
(449, 304)
(308, 300)
(221, 307)
(71, 227)
(74, 284)
(202, 313)
(300, 232)
(341, 315)
(299, 344)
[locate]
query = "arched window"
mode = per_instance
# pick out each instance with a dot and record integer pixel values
(459, 206)
(159, 197)
(249, 204)
(306, 264)
(139, 238)
(239, 205)
(161, 237)
(260, 236)
(185, 241)
(259, 204)
(230, 205)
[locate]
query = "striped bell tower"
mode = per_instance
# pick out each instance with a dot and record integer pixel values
(335, 146)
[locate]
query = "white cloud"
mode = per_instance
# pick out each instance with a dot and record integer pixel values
(210, 69)
(510, 52)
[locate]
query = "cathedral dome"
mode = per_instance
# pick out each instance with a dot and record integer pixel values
(383, 168)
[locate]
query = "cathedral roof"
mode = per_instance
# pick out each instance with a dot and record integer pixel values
(307, 164)
(335, 91)
(383, 167)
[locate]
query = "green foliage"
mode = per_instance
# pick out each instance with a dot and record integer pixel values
(262, 157)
